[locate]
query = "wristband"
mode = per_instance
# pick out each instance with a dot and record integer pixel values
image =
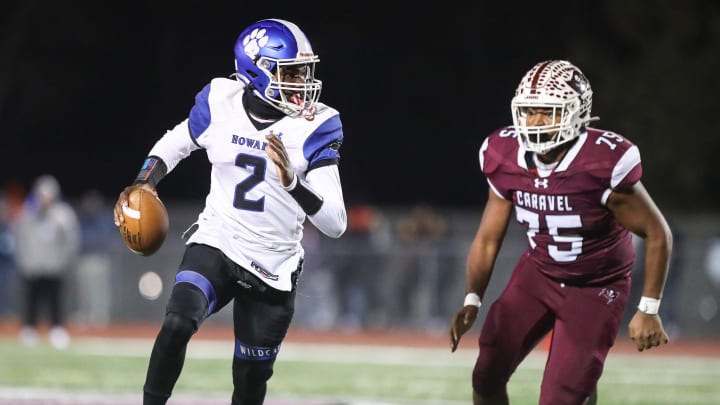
(649, 306)
(152, 171)
(472, 299)
(305, 196)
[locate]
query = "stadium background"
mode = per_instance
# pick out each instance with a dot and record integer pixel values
(87, 87)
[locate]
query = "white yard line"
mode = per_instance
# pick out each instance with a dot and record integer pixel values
(326, 353)
(34, 396)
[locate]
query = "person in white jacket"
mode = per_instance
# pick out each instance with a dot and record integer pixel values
(47, 244)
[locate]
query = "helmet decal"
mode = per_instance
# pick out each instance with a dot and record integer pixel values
(579, 82)
(254, 41)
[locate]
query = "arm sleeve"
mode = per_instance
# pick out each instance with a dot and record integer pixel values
(331, 219)
(174, 146)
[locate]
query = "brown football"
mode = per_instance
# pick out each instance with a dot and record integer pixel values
(146, 222)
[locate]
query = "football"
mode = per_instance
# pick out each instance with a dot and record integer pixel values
(146, 222)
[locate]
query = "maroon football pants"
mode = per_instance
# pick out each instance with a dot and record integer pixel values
(585, 322)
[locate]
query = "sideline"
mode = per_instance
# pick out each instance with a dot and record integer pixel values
(217, 331)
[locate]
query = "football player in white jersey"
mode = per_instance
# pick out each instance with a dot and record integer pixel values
(273, 148)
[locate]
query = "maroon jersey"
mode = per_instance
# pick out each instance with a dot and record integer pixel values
(572, 235)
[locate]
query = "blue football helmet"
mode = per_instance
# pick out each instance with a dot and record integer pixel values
(270, 52)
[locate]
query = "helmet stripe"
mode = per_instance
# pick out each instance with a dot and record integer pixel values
(304, 47)
(536, 77)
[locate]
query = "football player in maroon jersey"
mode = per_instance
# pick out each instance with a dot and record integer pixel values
(577, 190)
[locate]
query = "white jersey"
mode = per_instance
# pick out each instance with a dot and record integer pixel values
(247, 214)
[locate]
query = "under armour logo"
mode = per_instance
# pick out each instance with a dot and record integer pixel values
(541, 183)
(609, 294)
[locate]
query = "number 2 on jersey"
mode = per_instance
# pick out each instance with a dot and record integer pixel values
(258, 165)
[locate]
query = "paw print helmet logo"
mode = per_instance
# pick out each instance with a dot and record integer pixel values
(275, 59)
(254, 42)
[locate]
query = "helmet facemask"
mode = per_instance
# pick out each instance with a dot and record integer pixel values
(542, 138)
(557, 86)
(291, 97)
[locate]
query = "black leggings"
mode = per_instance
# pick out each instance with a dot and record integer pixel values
(208, 281)
(40, 291)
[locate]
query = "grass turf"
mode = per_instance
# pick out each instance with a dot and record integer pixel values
(388, 374)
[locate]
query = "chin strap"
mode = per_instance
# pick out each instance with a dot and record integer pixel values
(256, 105)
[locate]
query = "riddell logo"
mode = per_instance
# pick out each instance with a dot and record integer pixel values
(264, 272)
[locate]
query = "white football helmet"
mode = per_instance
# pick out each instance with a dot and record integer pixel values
(561, 86)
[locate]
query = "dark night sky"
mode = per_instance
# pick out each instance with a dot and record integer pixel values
(87, 89)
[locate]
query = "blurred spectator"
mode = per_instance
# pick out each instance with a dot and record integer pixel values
(47, 240)
(367, 237)
(93, 268)
(670, 305)
(15, 193)
(673, 284)
(412, 281)
(6, 253)
(316, 305)
(712, 261)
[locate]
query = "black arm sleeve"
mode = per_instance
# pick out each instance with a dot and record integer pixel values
(309, 201)
(152, 171)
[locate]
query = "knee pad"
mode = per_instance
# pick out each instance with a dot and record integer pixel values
(176, 331)
(186, 310)
(188, 301)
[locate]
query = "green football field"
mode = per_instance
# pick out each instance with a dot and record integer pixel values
(338, 374)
